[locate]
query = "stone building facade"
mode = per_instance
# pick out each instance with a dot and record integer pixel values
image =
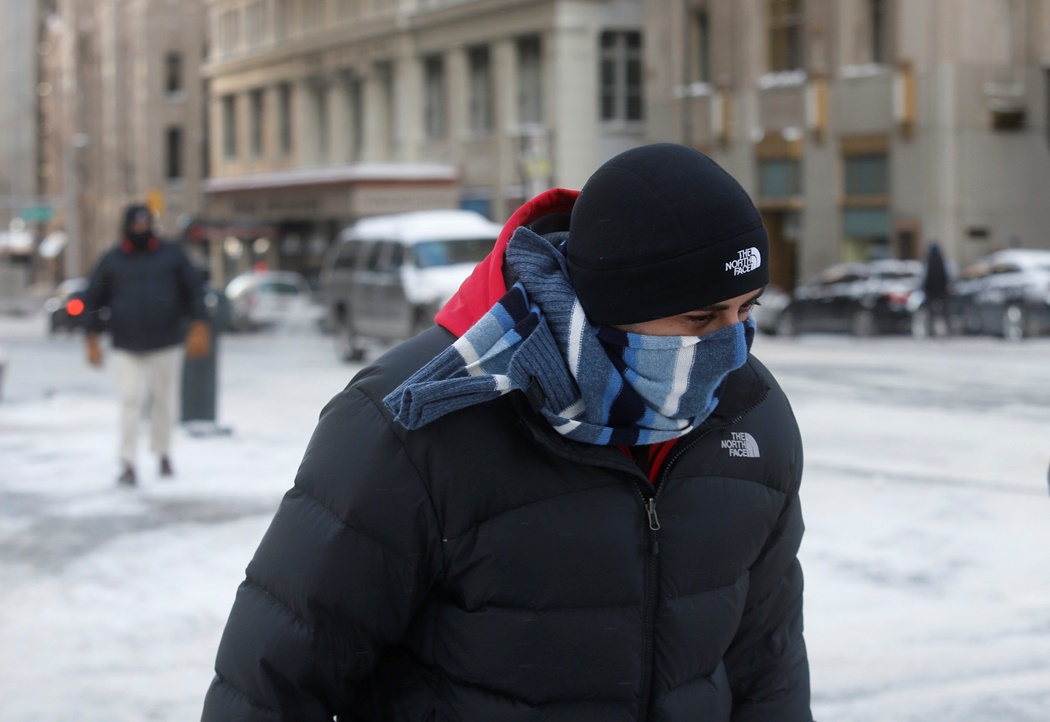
(125, 119)
(864, 128)
(322, 111)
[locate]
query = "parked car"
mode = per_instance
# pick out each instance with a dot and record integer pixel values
(266, 299)
(66, 307)
(770, 306)
(386, 276)
(1006, 293)
(863, 299)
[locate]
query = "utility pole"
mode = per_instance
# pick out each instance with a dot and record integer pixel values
(71, 186)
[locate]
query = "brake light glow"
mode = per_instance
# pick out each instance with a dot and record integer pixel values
(897, 299)
(75, 307)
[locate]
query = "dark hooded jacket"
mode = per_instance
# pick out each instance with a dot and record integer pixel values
(150, 290)
(483, 568)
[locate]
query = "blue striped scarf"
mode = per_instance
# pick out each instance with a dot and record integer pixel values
(599, 385)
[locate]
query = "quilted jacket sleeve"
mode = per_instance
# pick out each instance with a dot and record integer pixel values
(767, 663)
(97, 295)
(337, 577)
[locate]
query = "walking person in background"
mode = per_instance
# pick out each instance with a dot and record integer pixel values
(936, 288)
(575, 498)
(151, 291)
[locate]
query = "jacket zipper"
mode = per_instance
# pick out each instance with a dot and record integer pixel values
(649, 494)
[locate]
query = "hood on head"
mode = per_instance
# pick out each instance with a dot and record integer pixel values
(545, 213)
(133, 213)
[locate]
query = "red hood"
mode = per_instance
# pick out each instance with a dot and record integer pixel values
(485, 285)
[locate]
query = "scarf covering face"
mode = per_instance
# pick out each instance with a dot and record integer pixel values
(599, 385)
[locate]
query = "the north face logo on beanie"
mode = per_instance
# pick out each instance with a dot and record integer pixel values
(746, 261)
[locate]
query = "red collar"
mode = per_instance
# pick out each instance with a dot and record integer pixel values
(128, 247)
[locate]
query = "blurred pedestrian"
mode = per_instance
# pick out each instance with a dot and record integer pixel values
(936, 287)
(576, 498)
(155, 303)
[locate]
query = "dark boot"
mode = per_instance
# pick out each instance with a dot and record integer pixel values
(165, 467)
(127, 477)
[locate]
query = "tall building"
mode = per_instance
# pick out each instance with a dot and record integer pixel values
(864, 128)
(127, 117)
(322, 111)
(18, 88)
(22, 208)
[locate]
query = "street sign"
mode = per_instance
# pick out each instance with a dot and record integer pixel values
(155, 201)
(37, 214)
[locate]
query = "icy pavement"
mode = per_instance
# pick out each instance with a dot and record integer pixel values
(927, 552)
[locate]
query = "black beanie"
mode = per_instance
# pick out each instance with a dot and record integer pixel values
(662, 230)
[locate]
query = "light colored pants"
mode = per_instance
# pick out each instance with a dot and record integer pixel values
(150, 377)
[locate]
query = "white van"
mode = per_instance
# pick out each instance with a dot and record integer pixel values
(385, 277)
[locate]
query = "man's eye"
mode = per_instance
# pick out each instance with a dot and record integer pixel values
(749, 305)
(700, 320)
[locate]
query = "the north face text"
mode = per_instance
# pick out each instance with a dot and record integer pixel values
(741, 444)
(747, 261)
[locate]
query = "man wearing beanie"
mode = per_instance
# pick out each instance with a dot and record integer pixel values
(155, 302)
(576, 498)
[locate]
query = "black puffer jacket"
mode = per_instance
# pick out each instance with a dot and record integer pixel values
(151, 294)
(484, 568)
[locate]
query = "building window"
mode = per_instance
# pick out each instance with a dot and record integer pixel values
(779, 178)
(320, 98)
(866, 224)
(173, 154)
(785, 35)
(479, 69)
(530, 80)
(878, 19)
(357, 104)
(435, 100)
(702, 53)
(867, 175)
(255, 138)
(229, 126)
(284, 118)
(1046, 95)
(386, 137)
(173, 74)
(866, 234)
(621, 76)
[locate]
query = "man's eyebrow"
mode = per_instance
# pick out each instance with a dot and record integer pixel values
(724, 306)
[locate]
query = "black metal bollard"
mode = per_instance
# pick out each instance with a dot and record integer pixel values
(200, 377)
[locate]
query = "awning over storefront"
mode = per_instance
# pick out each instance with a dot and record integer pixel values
(356, 173)
(204, 229)
(333, 193)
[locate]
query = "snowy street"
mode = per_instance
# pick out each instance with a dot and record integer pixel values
(927, 551)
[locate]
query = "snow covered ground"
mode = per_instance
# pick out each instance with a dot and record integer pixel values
(927, 552)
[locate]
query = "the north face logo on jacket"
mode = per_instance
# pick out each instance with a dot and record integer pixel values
(741, 444)
(747, 260)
